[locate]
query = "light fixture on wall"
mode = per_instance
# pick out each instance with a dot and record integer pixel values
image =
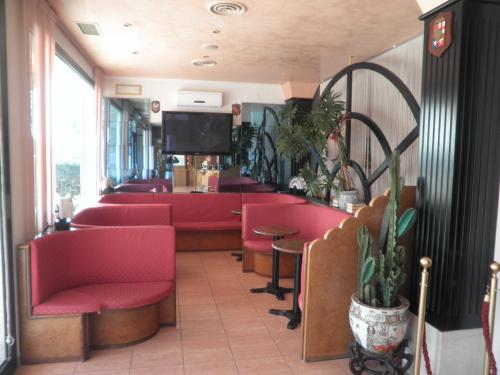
(226, 8)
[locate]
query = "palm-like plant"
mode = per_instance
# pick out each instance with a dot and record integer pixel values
(298, 139)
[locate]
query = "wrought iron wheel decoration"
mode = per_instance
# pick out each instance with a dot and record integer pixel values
(367, 181)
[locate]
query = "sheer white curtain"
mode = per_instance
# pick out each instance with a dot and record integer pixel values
(40, 23)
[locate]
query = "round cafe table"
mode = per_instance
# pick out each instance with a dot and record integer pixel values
(296, 247)
(277, 233)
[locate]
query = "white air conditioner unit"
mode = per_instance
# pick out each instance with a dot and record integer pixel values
(199, 99)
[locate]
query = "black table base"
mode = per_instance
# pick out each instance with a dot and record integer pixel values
(238, 255)
(365, 362)
(273, 286)
(293, 317)
(279, 292)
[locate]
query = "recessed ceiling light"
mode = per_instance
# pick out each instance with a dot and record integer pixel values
(204, 63)
(226, 8)
(135, 52)
(206, 57)
(216, 31)
(127, 24)
(211, 47)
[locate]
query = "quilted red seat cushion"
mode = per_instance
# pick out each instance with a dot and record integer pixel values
(98, 297)
(262, 246)
(207, 225)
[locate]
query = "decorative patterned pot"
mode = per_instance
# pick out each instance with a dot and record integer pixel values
(348, 196)
(378, 329)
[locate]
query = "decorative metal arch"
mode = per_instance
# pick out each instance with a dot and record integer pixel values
(410, 100)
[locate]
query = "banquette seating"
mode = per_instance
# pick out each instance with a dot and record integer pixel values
(311, 220)
(123, 215)
(204, 221)
(135, 188)
(95, 287)
(236, 185)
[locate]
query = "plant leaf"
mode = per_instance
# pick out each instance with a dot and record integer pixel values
(406, 221)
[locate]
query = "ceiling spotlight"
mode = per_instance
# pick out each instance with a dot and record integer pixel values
(206, 57)
(211, 47)
(204, 63)
(226, 8)
(216, 31)
(135, 52)
(127, 24)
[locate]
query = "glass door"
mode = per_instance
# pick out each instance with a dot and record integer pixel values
(7, 323)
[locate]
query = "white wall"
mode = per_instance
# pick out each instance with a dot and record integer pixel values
(165, 90)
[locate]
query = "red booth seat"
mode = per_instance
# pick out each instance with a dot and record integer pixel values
(101, 268)
(162, 184)
(124, 215)
(128, 198)
(311, 220)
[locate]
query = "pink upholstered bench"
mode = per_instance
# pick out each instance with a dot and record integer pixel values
(123, 215)
(312, 221)
(204, 221)
(97, 287)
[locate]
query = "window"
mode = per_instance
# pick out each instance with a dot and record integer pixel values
(74, 142)
(114, 138)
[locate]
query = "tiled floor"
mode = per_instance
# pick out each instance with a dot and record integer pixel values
(222, 329)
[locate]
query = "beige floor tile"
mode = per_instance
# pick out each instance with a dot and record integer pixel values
(300, 367)
(200, 312)
(211, 368)
(164, 370)
(48, 369)
(195, 298)
(202, 328)
(208, 349)
(243, 326)
(105, 360)
(291, 347)
(244, 309)
(263, 366)
(253, 347)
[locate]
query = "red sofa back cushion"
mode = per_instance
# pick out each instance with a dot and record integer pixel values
(124, 215)
(128, 198)
(270, 198)
(162, 184)
(70, 259)
(201, 207)
(312, 221)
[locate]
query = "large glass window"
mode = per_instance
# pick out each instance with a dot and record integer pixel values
(73, 114)
(114, 139)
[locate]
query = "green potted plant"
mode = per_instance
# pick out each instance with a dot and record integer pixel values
(300, 139)
(378, 314)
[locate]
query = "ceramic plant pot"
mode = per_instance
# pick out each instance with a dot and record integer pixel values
(378, 329)
(348, 196)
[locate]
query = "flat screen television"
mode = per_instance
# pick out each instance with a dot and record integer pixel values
(196, 133)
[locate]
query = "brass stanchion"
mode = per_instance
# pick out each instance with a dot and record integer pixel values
(491, 297)
(426, 263)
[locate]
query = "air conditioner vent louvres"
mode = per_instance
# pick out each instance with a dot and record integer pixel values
(199, 99)
(88, 28)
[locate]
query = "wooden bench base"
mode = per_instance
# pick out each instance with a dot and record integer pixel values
(262, 263)
(187, 240)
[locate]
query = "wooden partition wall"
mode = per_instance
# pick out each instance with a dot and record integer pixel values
(330, 280)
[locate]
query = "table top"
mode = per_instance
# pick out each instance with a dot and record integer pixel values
(274, 230)
(292, 246)
(236, 212)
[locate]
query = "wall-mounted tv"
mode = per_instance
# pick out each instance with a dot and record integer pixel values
(196, 133)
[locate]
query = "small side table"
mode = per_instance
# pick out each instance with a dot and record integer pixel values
(238, 255)
(277, 233)
(296, 247)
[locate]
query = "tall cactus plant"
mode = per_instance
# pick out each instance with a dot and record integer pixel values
(381, 277)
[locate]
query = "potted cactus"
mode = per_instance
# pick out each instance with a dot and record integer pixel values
(378, 314)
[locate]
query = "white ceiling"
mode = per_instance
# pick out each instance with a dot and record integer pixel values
(274, 41)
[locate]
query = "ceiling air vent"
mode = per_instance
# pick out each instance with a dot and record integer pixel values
(88, 28)
(205, 63)
(226, 8)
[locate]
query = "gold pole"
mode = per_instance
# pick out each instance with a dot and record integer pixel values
(426, 263)
(491, 297)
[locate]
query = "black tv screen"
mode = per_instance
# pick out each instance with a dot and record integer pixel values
(196, 133)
